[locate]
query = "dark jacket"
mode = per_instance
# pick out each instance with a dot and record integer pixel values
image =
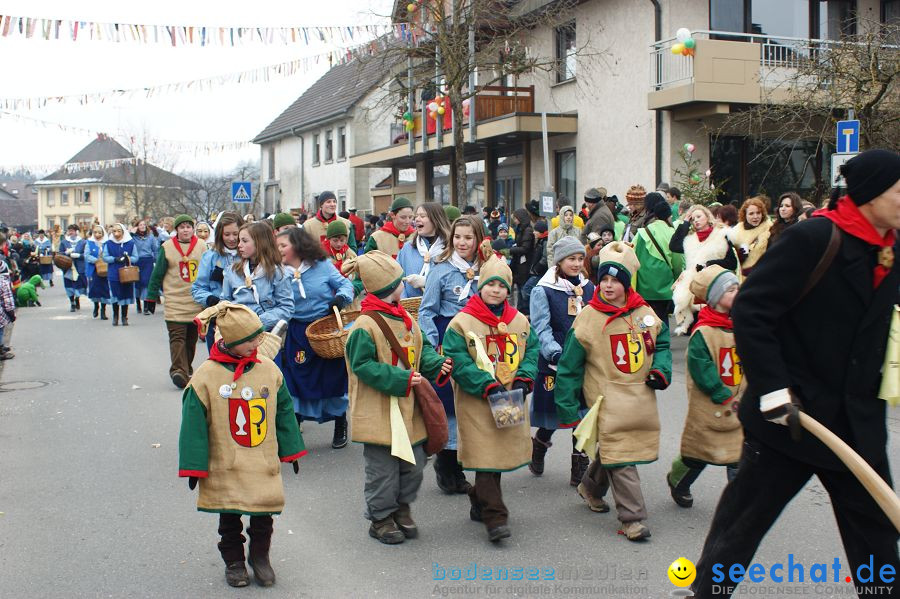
(522, 253)
(600, 215)
(829, 348)
(539, 257)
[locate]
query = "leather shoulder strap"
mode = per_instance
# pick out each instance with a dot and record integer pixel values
(834, 244)
(389, 335)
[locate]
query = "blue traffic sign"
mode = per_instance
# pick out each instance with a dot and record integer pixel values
(241, 192)
(847, 137)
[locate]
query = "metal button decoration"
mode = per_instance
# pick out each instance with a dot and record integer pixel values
(247, 393)
(225, 391)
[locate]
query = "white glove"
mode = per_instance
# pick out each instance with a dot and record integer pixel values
(416, 281)
(775, 406)
(75, 255)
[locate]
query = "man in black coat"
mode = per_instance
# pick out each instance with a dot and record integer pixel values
(522, 254)
(821, 353)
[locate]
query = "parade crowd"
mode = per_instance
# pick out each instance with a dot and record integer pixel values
(512, 322)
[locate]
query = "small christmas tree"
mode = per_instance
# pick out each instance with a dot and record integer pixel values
(693, 180)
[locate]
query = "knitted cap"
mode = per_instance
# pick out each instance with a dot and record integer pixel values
(635, 195)
(379, 273)
(495, 269)
(619, 260)
(325, 196)
(183, 218)
(283, 219)
(452, 213)
(711, 283)
(237, 323)
(594, 195)
(400, 203)
(870, 174)
(565, 247)
(335, 228)
(652, 199)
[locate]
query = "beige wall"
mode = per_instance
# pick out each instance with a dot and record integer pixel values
(103, 204)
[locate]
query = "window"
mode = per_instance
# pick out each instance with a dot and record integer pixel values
(329, 146)
(566, 184)
(315, 150)
(890, 12)
(63, 197)
(818, 19)
(86, 198)
(342, 200)
(63, 222)
(50, 199)
(271, 159)
(565, 52)
(342, 143)
(50, 223)
(120, 197)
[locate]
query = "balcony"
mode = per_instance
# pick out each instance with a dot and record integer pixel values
(727, 68)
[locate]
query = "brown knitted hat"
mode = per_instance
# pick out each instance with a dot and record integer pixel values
(635, 196)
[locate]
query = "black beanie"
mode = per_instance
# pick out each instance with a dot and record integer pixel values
(662, 210)
(540, 226)
(870, 174)
(324, 196)
(652, 199)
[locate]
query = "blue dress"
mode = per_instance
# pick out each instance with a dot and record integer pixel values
(208, 283)
(98, 287)
(44, 248)
(75, 285)
(145, 250)
(273, 300)
(121, 293)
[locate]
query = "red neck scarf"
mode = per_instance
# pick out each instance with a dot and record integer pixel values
(373, 303)
(712, 318)
(336, 257)
(633, 300)
(323, 219)
(702, 235)
(543, 235)
(219, 354)
(477, 308)
(177, 244)
(851, 221)
(389, 227)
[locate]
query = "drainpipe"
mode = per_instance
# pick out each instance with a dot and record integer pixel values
(657, 33)
(302, 178)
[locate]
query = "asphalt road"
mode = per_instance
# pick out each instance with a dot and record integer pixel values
(91, 505)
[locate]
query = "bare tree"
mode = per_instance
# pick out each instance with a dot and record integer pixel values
(151, 188)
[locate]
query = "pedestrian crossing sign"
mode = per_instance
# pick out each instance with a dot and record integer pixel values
(240, 192)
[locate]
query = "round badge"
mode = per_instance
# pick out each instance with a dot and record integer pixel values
(225, 391)
(457, 290)
(718, 414)
(264, 392)
(579, 291)
(502, 327)
(470, 274)
(247, 393)
(427, 258)
(401, 237)
(233, 386)
(727, 413)
(649, 320)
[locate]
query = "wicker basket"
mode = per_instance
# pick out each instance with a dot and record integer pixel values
(45, 259)
(327, 335)
(101, 267)
(129, 274)
(411, 305)
(62, 262)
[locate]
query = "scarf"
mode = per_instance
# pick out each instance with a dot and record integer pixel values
(633, 300)
(297, 273)
(219, 353)
(429, 254)
(248, 281)
(337, 258)
(462, 266)
(704, 234)
(480, 310)
(192, 242)
(323, 219)
(378, 305)
(850, 220)
(389, 227)
(564, 284)
(126, 236)
(713, 318)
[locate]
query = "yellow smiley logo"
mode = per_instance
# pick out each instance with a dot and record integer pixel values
(682, 572)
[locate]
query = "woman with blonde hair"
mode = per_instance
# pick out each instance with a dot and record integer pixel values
(750, 236)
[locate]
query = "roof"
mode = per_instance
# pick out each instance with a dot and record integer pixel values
(102, 148)
(18, 210)
(17, 189)
(332, 96)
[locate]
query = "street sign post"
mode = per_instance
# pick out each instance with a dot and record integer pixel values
(241, 192)
(837, 160)
(847, 140)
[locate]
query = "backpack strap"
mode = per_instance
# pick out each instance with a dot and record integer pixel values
(834, 244)
(389, 335)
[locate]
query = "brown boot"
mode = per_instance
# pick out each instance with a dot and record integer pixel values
(538, 451)
(580, 463)
(386, 531)
(594, 503)
(260, 533)
(403, 520)
(634, 531)
(236, 574)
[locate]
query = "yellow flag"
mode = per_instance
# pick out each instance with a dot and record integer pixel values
(400, 445)
(586, 431)
(890, 372)
(482, 361)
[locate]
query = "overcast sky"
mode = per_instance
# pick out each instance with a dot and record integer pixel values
(35, 67)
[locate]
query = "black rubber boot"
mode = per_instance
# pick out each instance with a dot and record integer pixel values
(339, 439)
(260, 532)
(96, 309)
(137, 309)
(538, 451)
(71, 304)
(115, 315)
(444, 469)
(125, 315)
(231, 546)
(103, 315)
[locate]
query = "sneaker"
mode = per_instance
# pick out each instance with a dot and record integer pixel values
(595, 504)
(386, 531)
(499, 532)
(634, 531)
(684, 500)
(403, 520)
(236, 574)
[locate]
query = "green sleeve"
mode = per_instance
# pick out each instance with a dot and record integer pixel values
(430, 363)
(287, 432)
(704, 371)
(569, 380)
(351, 238)
(156, 277)
(362, 358)
(467, 375)
(357, 287)
(662, 357)
(371, 244)
(528, 365)
(193, 440)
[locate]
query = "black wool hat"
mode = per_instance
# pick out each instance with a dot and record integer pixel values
(652, 199)
(326, 195)
(870, 174)
(661, 210)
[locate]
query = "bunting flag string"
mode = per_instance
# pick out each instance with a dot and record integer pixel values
(184, 35)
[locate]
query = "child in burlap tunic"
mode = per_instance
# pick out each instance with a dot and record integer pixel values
(489, 325)
(712, 432)
(384, 414)
(237, 427)
(618, 352)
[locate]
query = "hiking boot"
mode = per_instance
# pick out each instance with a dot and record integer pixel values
(403, 520)
(386, 531)
(262, 568)
(683, 499)
(180, 380)
(339, 439)
(538, 451)
(580, 463)
(236, 574)
(595, 504)
(498, 532)
(634, 531)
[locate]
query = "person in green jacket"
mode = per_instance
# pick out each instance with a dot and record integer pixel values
(26, 294)
(660, 266)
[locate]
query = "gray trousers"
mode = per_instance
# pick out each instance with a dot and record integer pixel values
(390, 481)
(626, 489)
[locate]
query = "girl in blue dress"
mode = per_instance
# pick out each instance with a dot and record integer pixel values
(207, 287)
(98, 287)
(146, 246)
(72, 245)
(420, 253)
(318, 385)
(118, 252)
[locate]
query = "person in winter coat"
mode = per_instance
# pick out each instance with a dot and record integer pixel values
(74, 279)
(43, 246)
(207, 287)
(118, 251)
(98, 285)
(820, 350)
(26, 293)
(420, 253)
(7, 308)
(703, 244)
(790, 207)
(598, 213)
(317, 224)
(750, 237)
(146, 247)
(538, 263)
(712, 432)
(391, 237)
(566, 228)
(560, 296)
(237, 428)
(522, 254)
(660, 266)
(338, 252)
(637, 212)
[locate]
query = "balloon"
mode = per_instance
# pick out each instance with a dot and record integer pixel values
(690, 43)
(432, 106)
(433, 115)
(466, 102)
(677, 48)
(441, 110)
(689, 148)
(689, 51)
(411, 7)
(685, 51)
(695, 177)
(410, 125)
(682, 34)
(708, 173)
(407, 116)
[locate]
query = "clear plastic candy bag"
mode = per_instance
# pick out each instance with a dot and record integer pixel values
(508, 408)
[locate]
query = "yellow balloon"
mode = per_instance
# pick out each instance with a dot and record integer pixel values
(677, 48)
(441, 110)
